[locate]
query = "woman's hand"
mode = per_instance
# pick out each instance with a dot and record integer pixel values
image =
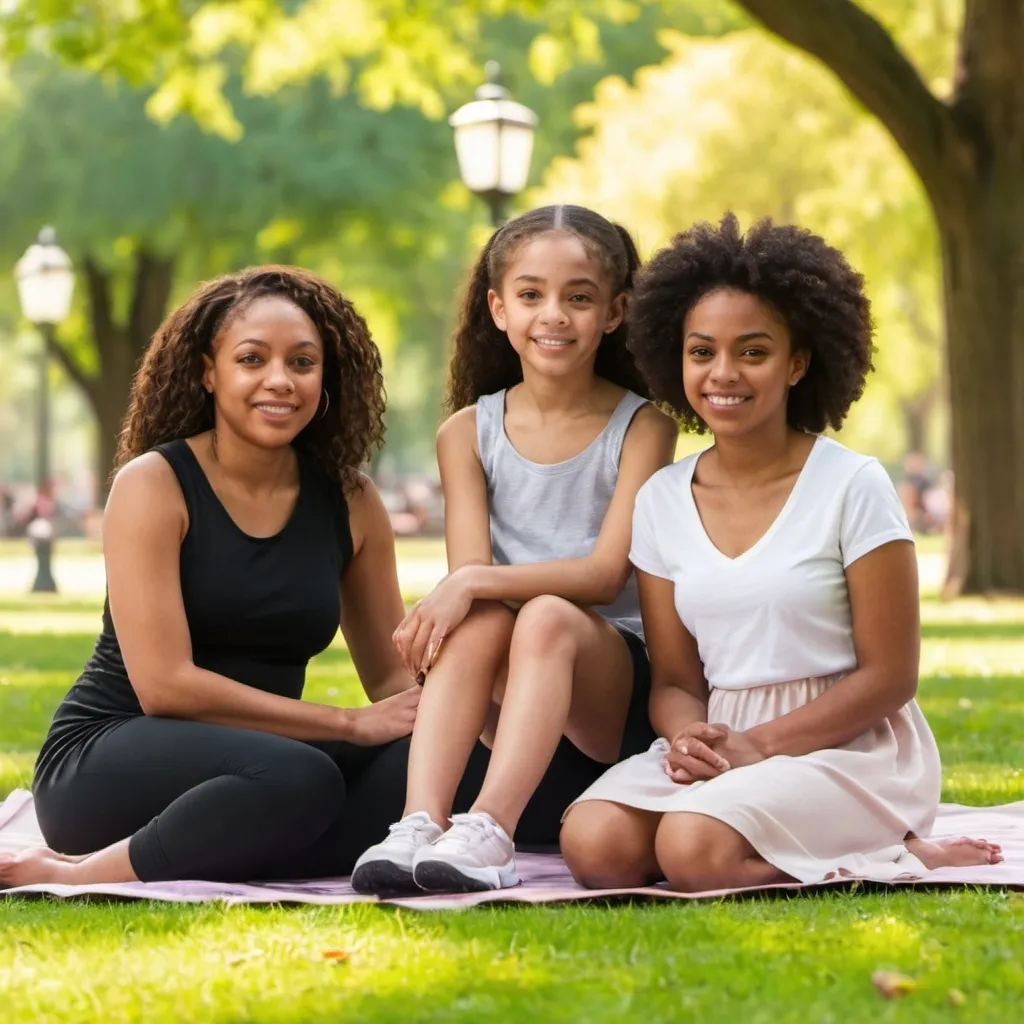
(387, 720)
(704, 750)
(420, 634)
(691, 758)
(737, 748)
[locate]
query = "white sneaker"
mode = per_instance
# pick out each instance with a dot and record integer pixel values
(387, 867)
(474, 855)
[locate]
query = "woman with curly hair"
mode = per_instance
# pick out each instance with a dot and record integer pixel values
(778, 587)
(534, 639)
(238, 533)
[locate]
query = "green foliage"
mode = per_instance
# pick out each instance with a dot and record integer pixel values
(706, 135)
(83, 153)
(369, 197)
(389, 52)
(303, 116)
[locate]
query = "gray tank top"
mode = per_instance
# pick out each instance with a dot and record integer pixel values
(540, 513)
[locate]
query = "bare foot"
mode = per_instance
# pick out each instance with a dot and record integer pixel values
(963, 851)
(36, 866)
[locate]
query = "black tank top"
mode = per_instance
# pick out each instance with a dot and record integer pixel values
(258, 608)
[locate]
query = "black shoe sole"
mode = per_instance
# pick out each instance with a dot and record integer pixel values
(382, 878)
(436, 876)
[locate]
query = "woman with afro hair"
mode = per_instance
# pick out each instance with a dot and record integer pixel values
(238, 533)
(778, 588)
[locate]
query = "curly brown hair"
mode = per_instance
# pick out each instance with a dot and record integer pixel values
(805, 281)
(168, 400)
(484, 360)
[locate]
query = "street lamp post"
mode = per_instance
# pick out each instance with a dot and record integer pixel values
(494, 143)
(46, 283)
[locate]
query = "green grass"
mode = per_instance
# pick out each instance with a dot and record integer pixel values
(755, 961)
(772, 960)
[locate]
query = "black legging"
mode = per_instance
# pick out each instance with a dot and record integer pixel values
(225, 804)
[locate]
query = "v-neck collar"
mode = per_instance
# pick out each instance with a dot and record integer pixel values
(776, 523)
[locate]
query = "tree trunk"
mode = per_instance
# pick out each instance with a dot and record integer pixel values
(110, 413)
(983, 258)
(119, 347)
(969, 154)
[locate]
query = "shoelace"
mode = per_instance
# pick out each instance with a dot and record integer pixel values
(468, 827)
(407, 828)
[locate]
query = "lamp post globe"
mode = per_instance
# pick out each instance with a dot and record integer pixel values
(494, 143)
(46, 283)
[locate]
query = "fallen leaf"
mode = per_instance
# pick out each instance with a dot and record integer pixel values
(892, 985)
(956, 997)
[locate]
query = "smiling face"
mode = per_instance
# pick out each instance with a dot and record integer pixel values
(266, 374)
(738, 362)
(556, 304)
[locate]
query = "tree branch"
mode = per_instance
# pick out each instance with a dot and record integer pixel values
(98, 288)
(73, 368)
(151, 292)
(868, 62)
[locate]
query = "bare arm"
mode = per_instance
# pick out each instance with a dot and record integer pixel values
(467, 524)
(143, 528)
(371, 601)
(679, 692)
(887, 639)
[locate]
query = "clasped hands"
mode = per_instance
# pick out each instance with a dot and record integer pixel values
(420, 634)
(704, 750)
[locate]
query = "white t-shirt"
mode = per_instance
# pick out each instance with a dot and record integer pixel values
(780, 611)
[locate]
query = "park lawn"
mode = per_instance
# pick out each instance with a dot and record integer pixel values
(806, 959)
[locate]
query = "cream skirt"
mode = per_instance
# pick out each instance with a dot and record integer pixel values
(843, 808)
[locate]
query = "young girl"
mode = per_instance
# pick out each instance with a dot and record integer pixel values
(538, 617)
(238, 533)
(778, 585)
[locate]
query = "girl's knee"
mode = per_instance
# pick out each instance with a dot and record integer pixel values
(495, 614)
(547, 623)
(488, 622)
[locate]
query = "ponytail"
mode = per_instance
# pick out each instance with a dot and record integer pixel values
(483, 359)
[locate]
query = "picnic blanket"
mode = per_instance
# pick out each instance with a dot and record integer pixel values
(545, 878)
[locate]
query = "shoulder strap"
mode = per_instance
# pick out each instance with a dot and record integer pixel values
(190, 476)
(490, 423)
(619, 421)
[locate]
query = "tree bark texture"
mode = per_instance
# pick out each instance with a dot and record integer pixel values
(969, 155)
(119, 346)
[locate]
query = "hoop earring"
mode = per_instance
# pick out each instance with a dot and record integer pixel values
(327, 405)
